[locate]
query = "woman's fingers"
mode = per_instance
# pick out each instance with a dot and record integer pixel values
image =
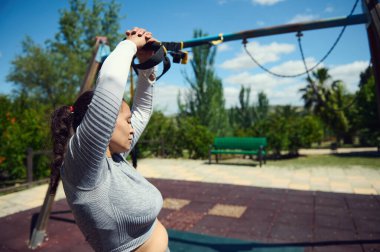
(139, 36)
(139, 32)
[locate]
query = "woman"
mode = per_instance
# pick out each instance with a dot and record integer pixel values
(113, 205)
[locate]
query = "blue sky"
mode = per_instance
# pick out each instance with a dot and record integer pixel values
(173, 20)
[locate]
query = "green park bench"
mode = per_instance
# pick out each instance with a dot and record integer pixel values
(239, 145)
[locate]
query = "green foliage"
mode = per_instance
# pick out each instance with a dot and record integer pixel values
(174, 137)
(160, 137)
(243, 117)
(287, 129)
(19, 132)
(367, 117)
(205, 99)
(37, 74)
(49, 75)
(53, 73)
(195, 137)
(328, 101)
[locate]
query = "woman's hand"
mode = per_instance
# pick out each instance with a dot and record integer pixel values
(137, 35)
(144, 54)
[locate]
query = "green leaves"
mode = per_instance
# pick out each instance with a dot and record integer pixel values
(47, 76)
(205, 99)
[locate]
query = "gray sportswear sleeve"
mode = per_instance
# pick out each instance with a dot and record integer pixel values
(85, 160)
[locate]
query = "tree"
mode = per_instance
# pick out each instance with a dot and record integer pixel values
(367, 119)
(49, 75)
(54, 73)
(242, 116)
(205, 99)
(261, 110)
(327, 101)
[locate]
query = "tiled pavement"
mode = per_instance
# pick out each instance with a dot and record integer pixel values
(354, 179)
(230, 206)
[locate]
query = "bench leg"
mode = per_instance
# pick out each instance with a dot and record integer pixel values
(217, 158)
(260, 158)
(209, 157)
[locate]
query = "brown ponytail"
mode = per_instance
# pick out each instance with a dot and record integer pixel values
(64, 122)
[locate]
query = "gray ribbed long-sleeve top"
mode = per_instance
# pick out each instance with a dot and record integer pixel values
(114, 206)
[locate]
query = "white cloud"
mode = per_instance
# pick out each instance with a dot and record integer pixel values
(303, 18)
(231, 95)
(165, 97)
(329, 9)
(293, 67)
(262, 53)
(280, 91)
(260, 23)
(349, 73)
(223, 47)
(266, 2)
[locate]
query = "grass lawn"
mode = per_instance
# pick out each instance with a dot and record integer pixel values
(369, 160)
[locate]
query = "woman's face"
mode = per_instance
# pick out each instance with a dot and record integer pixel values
(122, 135)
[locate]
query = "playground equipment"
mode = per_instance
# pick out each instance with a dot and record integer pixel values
(370, 17)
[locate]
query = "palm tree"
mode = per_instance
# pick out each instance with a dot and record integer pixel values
(326, 100)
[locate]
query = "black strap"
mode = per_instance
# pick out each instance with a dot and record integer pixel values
(158, 57)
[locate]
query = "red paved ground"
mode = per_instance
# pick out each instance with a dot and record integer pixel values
(272, 215)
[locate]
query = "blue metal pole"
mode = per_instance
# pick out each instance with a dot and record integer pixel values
(274, 30)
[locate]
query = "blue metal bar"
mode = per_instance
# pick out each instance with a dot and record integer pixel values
(274, 30)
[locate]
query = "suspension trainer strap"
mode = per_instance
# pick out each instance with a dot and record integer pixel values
(158, 57)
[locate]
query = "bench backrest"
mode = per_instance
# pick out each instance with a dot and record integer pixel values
(241, 143)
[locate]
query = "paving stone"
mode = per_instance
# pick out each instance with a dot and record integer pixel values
(291, 233)
(319, 180)
(364, 190)
(182, 220)
(257, 215)
(332, 211)
(234, 211)
(366, 203)
(295, 219)
(295, 197)
(236, 200)
(175, 204)
(371, 247)
(369, 225)
(299, 186)
(260, 230)
(334, 222)
(200, 207)
(297, 208)
(333, 234)
(365, 214)
(365, 235)
(270, 205)
(322, 188)
(280, 183)
(164, 213)
(327, 200)
(340, 248)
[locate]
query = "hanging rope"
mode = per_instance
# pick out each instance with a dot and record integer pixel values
(299, 35)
